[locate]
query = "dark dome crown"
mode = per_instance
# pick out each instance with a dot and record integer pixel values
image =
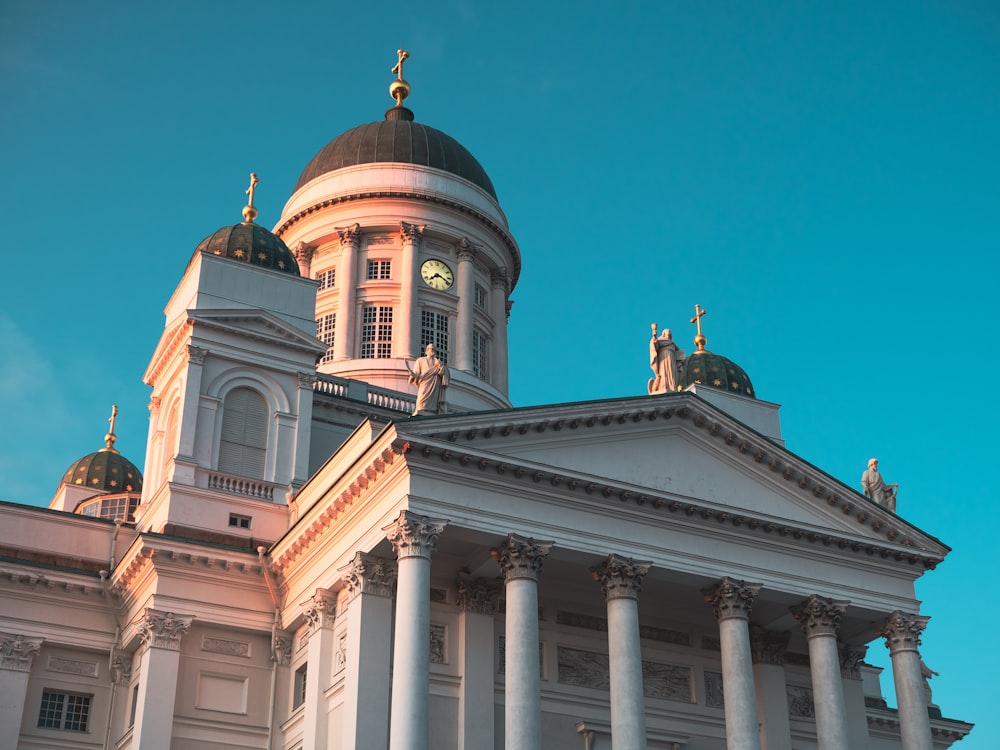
(250, 243)
(397, 139)
(105, 471)
(714, 370)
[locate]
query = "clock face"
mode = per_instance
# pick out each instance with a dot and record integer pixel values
(436, 274)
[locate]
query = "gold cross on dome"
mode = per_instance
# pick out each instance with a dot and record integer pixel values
(250, 190)
(700, 339)
(398, 69)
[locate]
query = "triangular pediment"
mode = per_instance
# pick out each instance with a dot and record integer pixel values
(679, 451)
(256, 324)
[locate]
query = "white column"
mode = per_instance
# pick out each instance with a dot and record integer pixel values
(347, 283)
(408, 328)
(478, 600)
(851, 657)
(498, 311)
(466, 254)
(16, 655)
(520, 562)
(767, 651)
(303, 429)
(902, 636)
(732, 601)
(820, 619)
(161, 634)
(319, 610)
(621, 581)
(414, 538)
(369, 581)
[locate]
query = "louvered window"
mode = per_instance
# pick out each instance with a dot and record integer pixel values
(244, 434)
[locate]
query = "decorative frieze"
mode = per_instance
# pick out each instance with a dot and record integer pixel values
(768, 647)
(367, 574)
(479, 596)
(902, 631)
(800, 702)
(819, 615)
(412, 535)
(591, 669)
(225, 647)
(519, 557)
(72, 666)
(620, 577)
(731, 598)
(320, 610)
(714, 696)
(163, 629)
(439, 644)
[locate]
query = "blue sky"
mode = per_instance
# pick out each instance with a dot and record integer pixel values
(822, 178)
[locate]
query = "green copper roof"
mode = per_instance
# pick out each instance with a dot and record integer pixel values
(250, 243)
(105, 471)
(716, 371)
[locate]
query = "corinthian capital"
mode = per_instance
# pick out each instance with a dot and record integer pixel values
(414, 536)
(163, 629)
(348, 235)
(620, 577)
(851, 658)
(465, 250)
(17, 652)
(412, 233)
(730, 598)
(196, 354)
(819, 616)
(367, 574)
(498, 279)
(519, 557)
(320, 609)
(902, 631)
(304, 252)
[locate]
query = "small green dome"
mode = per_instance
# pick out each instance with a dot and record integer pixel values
(716, 371)
(105, 470)
(250, 243)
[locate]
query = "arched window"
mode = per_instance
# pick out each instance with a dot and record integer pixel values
(243, 445)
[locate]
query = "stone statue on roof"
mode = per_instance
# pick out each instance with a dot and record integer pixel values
(876, 488)
(664, 356)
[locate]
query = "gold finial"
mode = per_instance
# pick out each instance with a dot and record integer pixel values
(249, 212)
(109, 439)
(700, 339)
(399, 89)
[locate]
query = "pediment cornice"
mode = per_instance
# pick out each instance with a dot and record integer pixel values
(257, 325)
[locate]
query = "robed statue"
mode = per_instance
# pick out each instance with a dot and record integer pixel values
(876, 488)
(430, 376)
(663, 360)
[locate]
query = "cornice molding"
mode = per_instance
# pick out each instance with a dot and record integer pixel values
(500, 231)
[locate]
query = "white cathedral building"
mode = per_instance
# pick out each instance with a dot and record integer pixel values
(302, 563)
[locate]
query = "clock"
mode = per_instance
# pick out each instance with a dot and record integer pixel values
(436, 274)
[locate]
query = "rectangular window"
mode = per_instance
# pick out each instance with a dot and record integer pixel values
(299, 688)
(326, 327)
(376, 332)
(64, 711)
(434, 330)
(239, 522)
(326, 279)
(135, 705)
(379, 270)
(480, 356)
(480, 297)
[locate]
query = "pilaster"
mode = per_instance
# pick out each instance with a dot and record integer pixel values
(319, 611)
(347, 275)
(767, 652)
(498, 312)
(477, 600)
(16, 656)
(369, 581)
(851, 658)
(160, 634)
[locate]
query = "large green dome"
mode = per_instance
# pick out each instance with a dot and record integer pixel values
(397, 139)
(715, 371)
